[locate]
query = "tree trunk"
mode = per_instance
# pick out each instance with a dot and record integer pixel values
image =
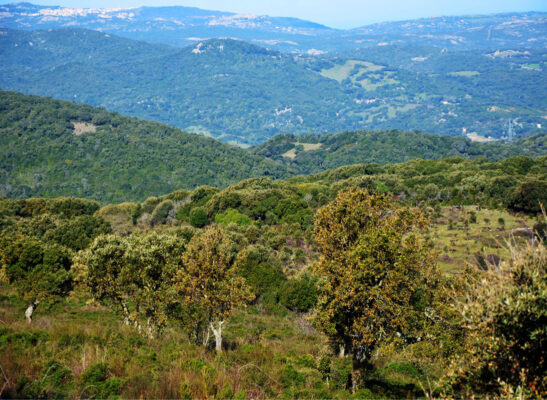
(30, 310)
(206, 338)
(217, 332)
(125, 311)
(149, 328)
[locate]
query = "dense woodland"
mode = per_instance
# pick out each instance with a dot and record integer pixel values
(55, 148)
(239, 92)
(304, 288)
(112, 158)
(314, 153)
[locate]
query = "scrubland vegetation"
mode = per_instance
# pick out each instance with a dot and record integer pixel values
(423, 279)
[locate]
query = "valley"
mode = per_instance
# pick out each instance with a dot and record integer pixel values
(200, 204)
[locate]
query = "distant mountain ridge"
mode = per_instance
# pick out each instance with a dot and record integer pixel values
(182, 26)
(242, 93)
(162, 24)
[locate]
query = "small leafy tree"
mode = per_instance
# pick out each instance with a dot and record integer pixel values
(209, 279)
(529, 196)
(39, 271)
(375, 271)
(134, 275)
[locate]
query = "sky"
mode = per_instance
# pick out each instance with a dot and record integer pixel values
(341, 14)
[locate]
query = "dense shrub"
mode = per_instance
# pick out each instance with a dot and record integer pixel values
(259, 271)
(161, 212)
(233, 216)
(299, 294)
(198, 217)
(77, 233)
(528, 196)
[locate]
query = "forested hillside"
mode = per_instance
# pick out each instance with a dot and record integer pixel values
(313, 153)
(51, 148)
(241, 93)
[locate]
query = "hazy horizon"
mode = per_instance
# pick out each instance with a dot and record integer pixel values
(343, 14)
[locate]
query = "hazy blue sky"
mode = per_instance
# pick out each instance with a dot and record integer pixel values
(335, 13)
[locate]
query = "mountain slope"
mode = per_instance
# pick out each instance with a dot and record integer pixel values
(181, 26)
(494, 31)
(51, 148)
(230, 89)
(312, 153)
(178, 26)
(56, 148)
(245, 94)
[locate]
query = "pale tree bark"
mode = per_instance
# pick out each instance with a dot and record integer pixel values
(125, 314)
(217, 332)
(30, 310)
(150, 328)
(342, 351)
(206, 338)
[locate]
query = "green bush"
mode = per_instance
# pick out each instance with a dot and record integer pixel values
(99, 384)
(79, 232)
(528, 196)
(198, 217)
(55, 382)
(233, 216)
(161, 212)
(299, 294)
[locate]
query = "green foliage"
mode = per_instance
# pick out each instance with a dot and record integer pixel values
(529, 196)
(299, 294)
(373, 264)
(62, 206)
(99, 382)
(209, 280)
(257, 267)
(384, 147)
(129, 161)
(77, 233)
(133, 274)
(198, 217)
(232, 216)
(161, 212)
(39, 271)
(504, 314)
(55, 382)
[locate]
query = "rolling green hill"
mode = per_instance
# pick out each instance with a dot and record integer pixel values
(314, 153)
(232, 90)
(54, 148)
(51, 148)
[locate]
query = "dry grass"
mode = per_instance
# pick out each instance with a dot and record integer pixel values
(458, 240)
(81, 128)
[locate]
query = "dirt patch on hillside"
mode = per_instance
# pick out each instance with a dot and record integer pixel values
(307, 147)
(83, 127)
